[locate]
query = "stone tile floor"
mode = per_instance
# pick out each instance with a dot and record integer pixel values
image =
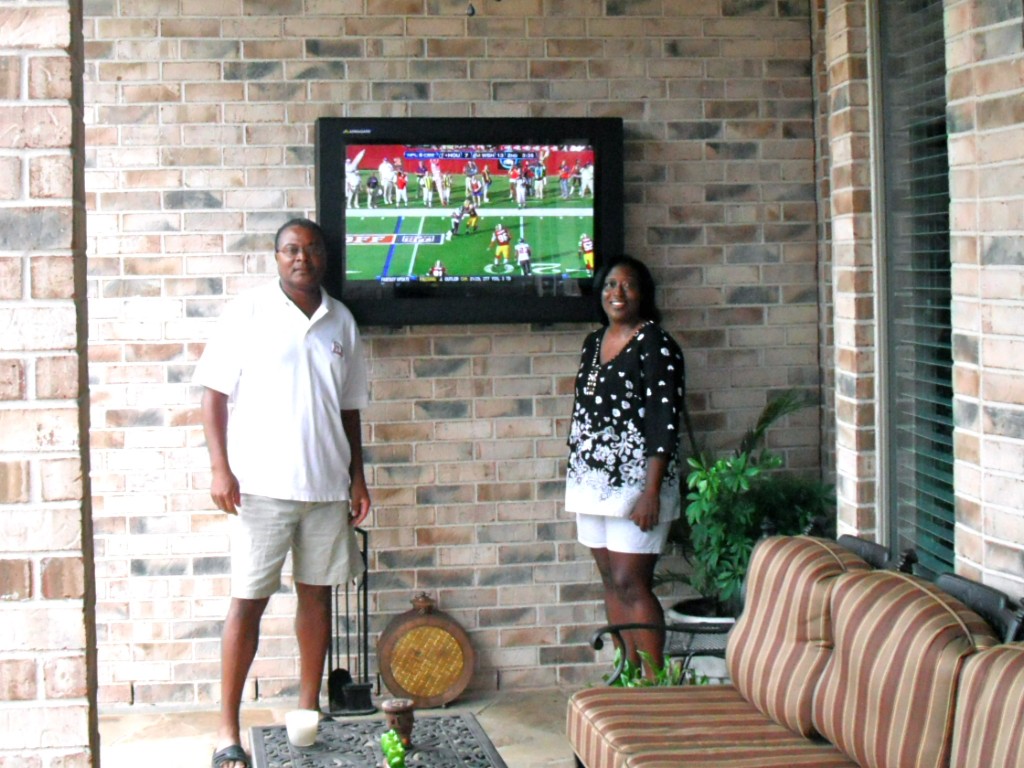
(526, 727)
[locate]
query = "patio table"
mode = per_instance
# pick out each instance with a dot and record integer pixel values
(438, 741)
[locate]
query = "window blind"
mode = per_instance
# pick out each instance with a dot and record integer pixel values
(917, 280)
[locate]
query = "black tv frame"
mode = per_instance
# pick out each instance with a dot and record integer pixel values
(446, 304)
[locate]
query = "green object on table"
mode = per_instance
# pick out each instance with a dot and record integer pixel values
(393, 748)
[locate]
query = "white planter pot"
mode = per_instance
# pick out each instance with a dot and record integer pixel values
(704, 650)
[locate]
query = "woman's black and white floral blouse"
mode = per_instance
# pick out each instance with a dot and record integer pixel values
(625, 410)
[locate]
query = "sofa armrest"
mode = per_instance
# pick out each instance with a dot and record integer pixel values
(877, 555)
(615, 631)
(997, 608)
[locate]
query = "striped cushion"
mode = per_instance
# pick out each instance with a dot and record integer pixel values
(685, 726)
(780, 644)
(886, 696)
(805, 755)
(989, 728)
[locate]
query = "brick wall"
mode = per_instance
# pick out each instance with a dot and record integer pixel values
(826, 340)
(199, 144)
(984, 92)
(854, 270)
(984, 58)
(47, 642)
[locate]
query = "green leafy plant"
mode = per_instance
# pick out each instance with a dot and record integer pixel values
(734, 500)
(632, 675)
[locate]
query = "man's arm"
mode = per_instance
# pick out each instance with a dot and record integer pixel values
(359, 494)
(224, 488)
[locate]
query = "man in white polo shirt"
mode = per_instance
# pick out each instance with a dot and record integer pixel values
(284, 379)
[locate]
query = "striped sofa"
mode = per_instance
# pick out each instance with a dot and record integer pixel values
(833, 663)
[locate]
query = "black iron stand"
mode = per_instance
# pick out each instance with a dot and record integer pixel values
(349, 687)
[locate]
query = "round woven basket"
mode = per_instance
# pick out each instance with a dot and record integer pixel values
(425, 655)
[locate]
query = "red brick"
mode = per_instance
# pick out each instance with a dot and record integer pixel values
(49, 77)
(57, 377)
(16, 578)
(10, 278)
(61, 479)
(53, 277)
(12, 380)
(17, 680)
(65, 678)
(63, 578)
(47, 27)
(10, 78)
(51, 176)
(36, 127)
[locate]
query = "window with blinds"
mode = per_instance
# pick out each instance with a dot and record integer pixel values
(917, 280)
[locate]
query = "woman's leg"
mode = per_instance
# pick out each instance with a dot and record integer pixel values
(629, 598)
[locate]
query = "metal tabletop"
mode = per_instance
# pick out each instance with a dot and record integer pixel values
(438, 741)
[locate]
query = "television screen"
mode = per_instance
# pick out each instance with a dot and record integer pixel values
(443, 221)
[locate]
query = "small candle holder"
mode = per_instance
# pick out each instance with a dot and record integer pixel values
(399, 715)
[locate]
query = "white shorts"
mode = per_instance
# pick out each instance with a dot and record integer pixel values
(620, 534)
(318, 534)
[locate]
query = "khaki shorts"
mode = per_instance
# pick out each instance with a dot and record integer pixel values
(318, 534)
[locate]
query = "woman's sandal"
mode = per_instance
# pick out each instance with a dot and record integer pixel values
(230, 754)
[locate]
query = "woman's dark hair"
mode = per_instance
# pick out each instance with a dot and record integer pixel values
(308, 224)
(648, 309)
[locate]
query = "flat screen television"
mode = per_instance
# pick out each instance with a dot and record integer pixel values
(476, 220)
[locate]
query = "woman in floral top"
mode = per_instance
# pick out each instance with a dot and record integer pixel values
(623, 478)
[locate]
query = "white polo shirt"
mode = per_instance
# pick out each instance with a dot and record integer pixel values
(289, 377)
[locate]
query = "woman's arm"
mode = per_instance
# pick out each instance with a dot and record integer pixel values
(648, 507)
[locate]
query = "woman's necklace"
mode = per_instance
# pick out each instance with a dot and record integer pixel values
(590, 385)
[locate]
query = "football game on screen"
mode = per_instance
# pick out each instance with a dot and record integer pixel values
(458, 213)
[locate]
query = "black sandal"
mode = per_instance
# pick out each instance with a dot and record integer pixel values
(230, 754)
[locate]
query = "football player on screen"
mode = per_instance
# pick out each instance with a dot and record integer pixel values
(522, 183)
(485, 175)
(476, 191)
(471, 215)
(352, 181)
(446, 189)
(353, 184)
(387, 181)
(586, 252)
(587, 180)
(428, 191)
(470, 171)
(564, 175)
(456, 220)
(401, 188)
(421, 178)
(372, 190)
(523, 255)
(501, 241)
(435, 175)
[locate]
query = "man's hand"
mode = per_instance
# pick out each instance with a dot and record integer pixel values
(360, 501)
(359, 495)
(225, 492)
(224, 488)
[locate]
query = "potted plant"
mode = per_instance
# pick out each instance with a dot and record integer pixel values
(732, 501)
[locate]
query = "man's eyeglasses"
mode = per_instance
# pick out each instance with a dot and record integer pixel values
(291, 250)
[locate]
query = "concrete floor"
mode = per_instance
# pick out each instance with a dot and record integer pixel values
(527, 727)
